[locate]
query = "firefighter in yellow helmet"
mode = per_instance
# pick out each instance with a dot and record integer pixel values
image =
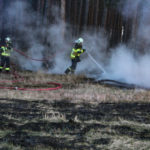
(75, 56)
(5, 54)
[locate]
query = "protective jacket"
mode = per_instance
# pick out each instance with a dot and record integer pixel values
(76, 53)
(5, 51)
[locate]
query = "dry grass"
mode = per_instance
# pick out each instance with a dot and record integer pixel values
(75, 88)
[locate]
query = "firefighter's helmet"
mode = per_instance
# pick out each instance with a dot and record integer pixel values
(79, 41)
(8, 40)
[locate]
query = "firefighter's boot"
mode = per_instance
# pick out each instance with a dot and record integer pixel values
(7, 70)
(67, 71)
(1, 68)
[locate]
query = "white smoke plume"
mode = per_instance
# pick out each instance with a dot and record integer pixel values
(38, 38)
(126, 67)
(129, 8)
(132, 65)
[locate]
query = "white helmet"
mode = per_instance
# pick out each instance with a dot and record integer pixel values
(8, 40)
(80, 40)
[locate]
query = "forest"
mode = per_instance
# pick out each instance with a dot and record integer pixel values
(81, 15)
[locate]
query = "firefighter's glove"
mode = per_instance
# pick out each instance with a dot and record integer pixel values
(84, 50)
(79, 52)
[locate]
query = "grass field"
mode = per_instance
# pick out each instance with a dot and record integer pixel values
(83, 115)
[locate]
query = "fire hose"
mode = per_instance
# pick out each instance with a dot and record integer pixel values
(19, 78)
(28, 57)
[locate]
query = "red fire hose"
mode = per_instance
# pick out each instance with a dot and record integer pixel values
(41, 89)
(23, 54)
(19, 78)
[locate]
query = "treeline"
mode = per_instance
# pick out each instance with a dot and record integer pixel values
(82, 15)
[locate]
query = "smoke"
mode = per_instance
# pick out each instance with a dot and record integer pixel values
(38, 38)
(129, 8)
(126, 67)
(139, 11)
(128, 64)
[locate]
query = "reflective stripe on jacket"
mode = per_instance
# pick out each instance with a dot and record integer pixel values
(6, 51)
(76, 53)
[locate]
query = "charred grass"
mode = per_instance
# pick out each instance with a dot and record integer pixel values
(83, 115)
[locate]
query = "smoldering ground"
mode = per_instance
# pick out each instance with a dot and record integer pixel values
(38, 38)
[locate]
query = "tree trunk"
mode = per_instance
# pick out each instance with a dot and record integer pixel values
(63, 16)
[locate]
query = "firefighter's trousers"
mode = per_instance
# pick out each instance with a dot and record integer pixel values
(73, 66)
(5, 61)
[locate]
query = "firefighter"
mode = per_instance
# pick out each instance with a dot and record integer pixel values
(75, 56)
(5, 55)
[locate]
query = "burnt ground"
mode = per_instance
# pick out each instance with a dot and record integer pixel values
(66, 125)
